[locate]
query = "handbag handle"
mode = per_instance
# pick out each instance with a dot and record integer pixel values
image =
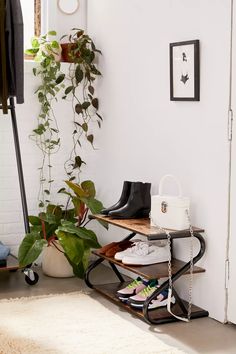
(176, 181)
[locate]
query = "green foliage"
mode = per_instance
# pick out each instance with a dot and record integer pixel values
(77, 85)
(30, 248)
(46, 134)
(80, 90)
(68, 226)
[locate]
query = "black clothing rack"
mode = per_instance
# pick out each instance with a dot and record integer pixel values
(11, 107)
(30, 276)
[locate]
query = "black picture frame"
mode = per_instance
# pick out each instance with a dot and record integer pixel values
(185, 71)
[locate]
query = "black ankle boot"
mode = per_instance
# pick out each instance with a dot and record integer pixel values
(123, 198)
(138, 205)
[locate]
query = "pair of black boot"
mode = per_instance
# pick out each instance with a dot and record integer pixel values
(135, 202)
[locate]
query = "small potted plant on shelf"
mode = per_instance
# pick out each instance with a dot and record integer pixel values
(80, 51)
(65, 230)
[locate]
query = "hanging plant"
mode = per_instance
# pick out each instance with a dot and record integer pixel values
(80, 51)
(47, 54)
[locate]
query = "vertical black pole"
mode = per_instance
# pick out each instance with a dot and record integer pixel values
(19, 165)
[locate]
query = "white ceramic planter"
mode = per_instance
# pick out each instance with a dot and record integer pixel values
(55, 264)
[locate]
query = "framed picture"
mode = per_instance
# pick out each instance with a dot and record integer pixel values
(184, 71)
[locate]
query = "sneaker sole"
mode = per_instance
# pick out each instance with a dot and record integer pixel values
(160, 304)
(130, 262)
(150, 307)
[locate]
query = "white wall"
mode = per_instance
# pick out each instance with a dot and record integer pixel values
(145, 135)
(54, 19)
(232, 240)
(28, 10)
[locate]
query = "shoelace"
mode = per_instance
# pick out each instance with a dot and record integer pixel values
(140, 248)
(147, 291)
(134, 284)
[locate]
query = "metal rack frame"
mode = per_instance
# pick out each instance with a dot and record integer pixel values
(30, 276)
(147, 314)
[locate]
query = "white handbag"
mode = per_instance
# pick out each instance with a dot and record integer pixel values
(172, 212)
(169, 211)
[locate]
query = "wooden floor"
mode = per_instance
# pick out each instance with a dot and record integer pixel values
(202, 335)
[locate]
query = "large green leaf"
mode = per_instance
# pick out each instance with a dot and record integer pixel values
(95, 207)
(89, 188)
(93, 204)
(77, 203)
(54, 210)
(36, 228)
(69, 214)
(72, 245)
(88, 235)
(50, 229)
(79, 270)
(86, 256)
(49, 218)
(77, 189)
(30, 248)
(34, 220)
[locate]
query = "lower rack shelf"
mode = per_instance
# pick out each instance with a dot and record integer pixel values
(158, 316)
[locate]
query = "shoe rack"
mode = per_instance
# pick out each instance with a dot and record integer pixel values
(154, 271)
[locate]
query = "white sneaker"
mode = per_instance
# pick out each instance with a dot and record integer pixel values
(150, 255)
(160, 302)
(139, 248)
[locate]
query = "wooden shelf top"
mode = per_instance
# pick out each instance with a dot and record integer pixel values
(143, 227)
(12, 264)
(154, 271)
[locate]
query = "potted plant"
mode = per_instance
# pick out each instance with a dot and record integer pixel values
(66, 228)
(57, 227)
(80, 51)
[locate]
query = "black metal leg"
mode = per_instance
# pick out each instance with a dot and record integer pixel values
(89, 269)
(119, 276)
(19, 165)
(180, 302)
(129, 237)
(175, 276)
(100, 260)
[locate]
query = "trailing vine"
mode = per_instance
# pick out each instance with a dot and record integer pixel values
(78, 86)
(81, 52)
(46, 134)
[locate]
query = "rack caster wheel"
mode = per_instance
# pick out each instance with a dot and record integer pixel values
(31, 277)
